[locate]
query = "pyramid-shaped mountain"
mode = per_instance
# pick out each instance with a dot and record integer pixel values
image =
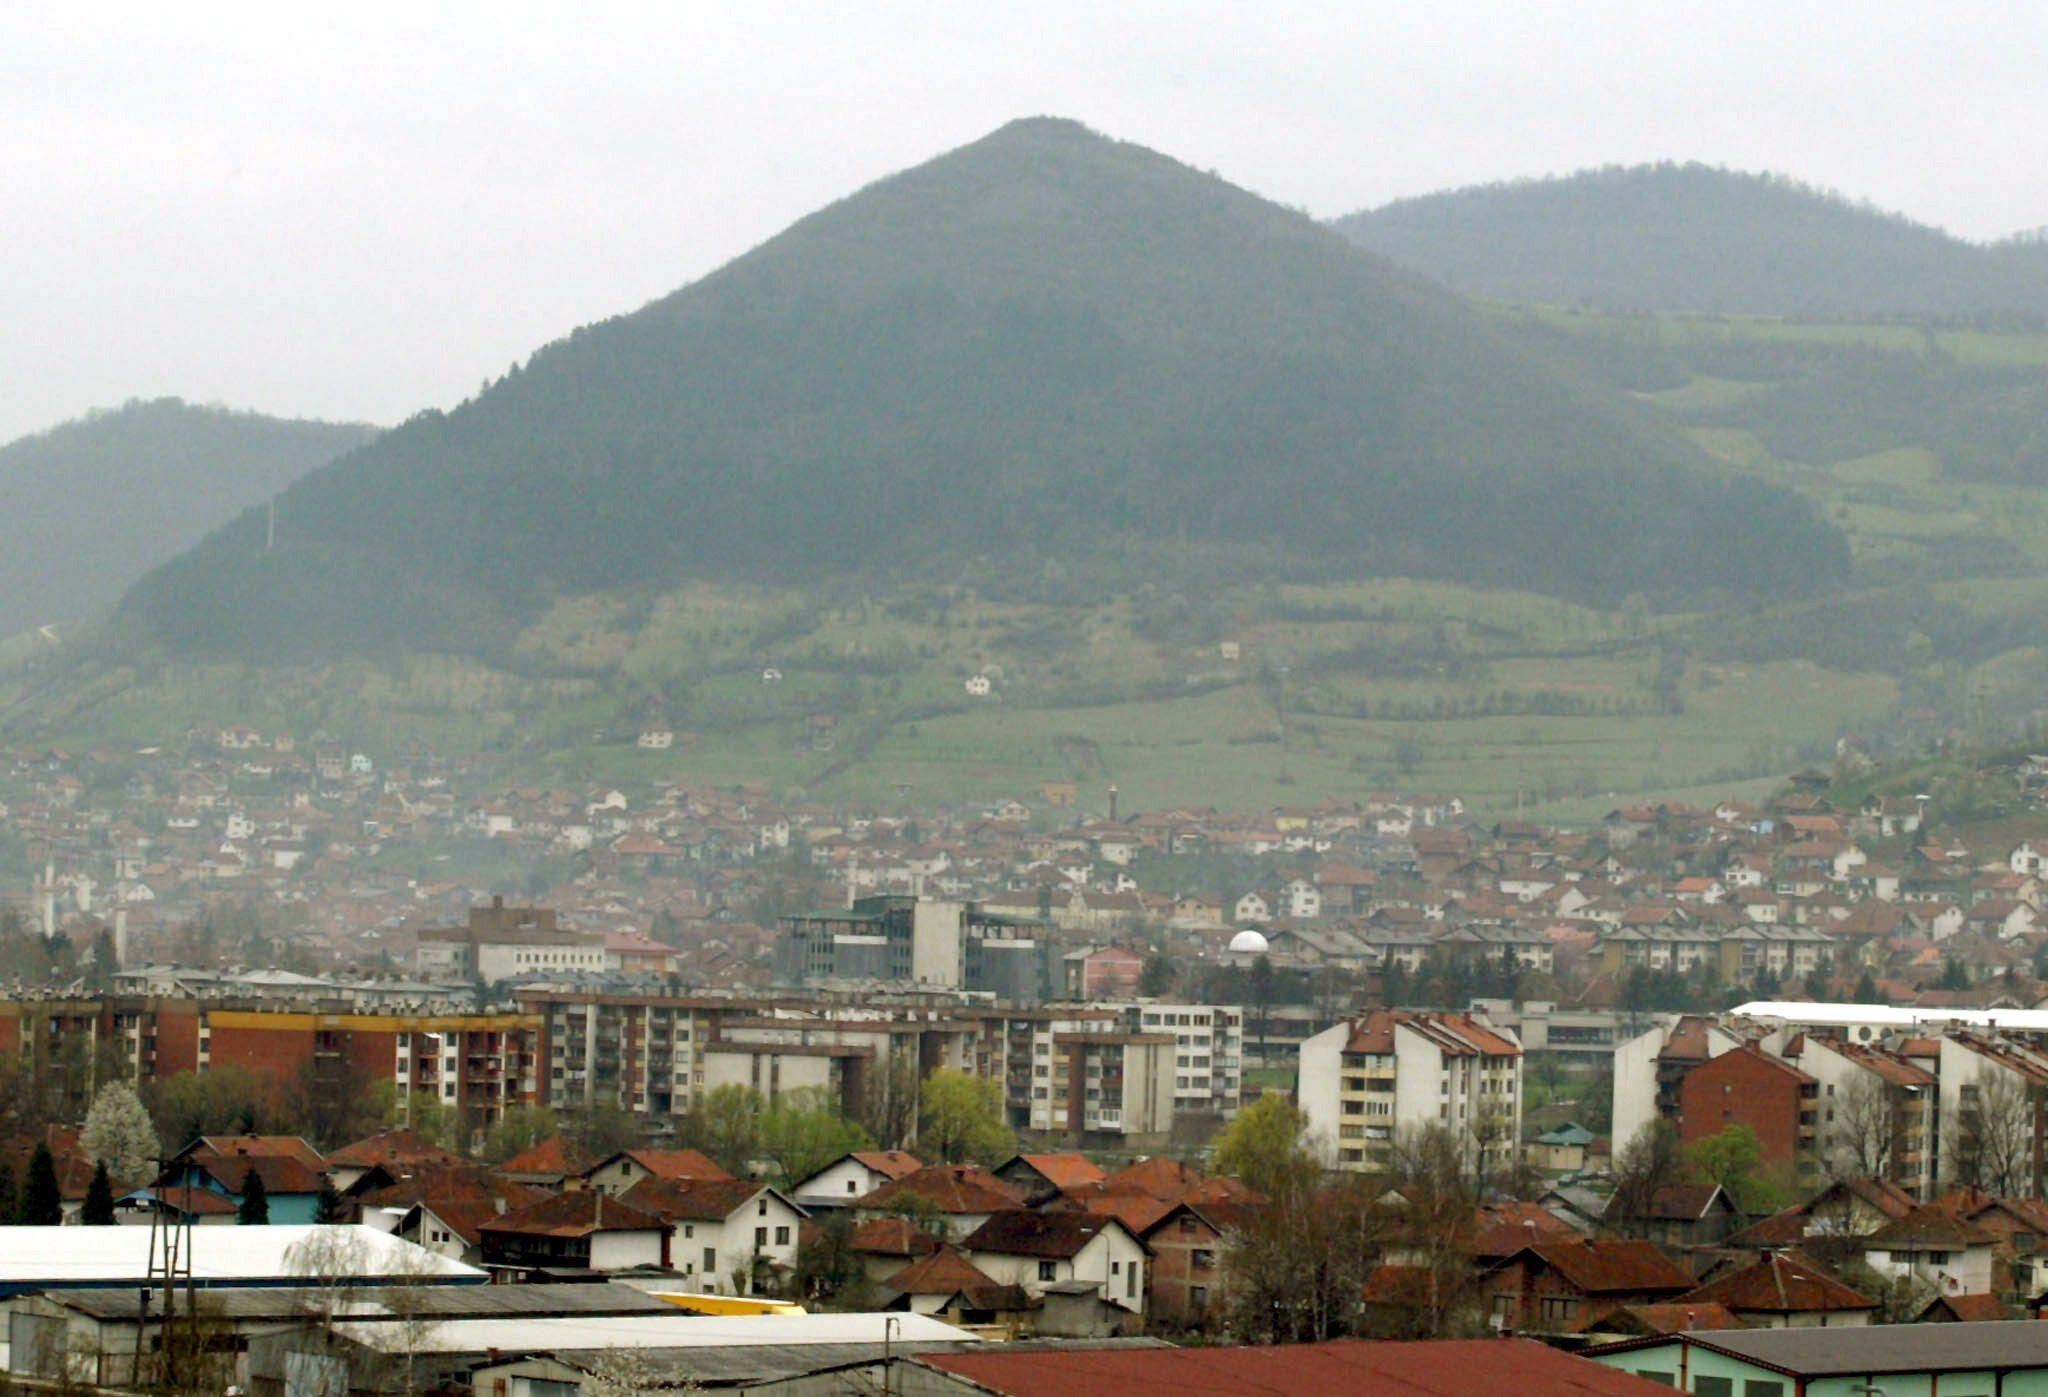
(1691, 237)
(1043, 346)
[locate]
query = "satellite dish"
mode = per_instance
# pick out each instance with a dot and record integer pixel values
(1250, 943)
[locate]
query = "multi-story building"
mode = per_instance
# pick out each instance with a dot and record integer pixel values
(503, 943)
(922, 941)
(1749, 1087)
(1208, 1059)
(1877, 1112)
(1112, 1090)
(1395, 1070)
(477, 1064)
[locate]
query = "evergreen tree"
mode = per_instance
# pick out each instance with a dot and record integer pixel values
(42, 1202)
(10, 1197)
(99, 1199)
(331, 1208)
(1867, 991)
(254, 1209)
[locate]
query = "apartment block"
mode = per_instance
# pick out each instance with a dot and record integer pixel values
(1362, 1082)
(1208, 1057)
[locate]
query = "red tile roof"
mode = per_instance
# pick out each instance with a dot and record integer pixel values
(1064, 1171)
(1783, 1283)
(894, 1164)
(392, 1147)
(705, 1200)
(1606, 1266)
(553, 1155)
(950, 1188)
(575, 1214)
(891, 1237)
(1677, 1316)
(673, 1165)
(1021, 1232)
(1431, 1368)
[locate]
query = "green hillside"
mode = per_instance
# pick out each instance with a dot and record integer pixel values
(1048, 365)
(94, 504)
(1694, 238)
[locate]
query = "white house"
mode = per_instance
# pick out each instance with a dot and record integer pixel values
(1037, 1250)
(737, 1236)
(852, 1176)
(1934, 1247)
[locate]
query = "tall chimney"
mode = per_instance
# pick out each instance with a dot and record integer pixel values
(1112, 802)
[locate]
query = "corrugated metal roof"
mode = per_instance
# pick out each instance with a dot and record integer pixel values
(371, 1304)
(676, 1329)
(32, 1257)
(1884, 1348)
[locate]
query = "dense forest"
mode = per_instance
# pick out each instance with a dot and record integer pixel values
(95, 503)
(1042, 353)
(1695, 238)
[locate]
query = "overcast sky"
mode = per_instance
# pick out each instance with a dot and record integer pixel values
(368, 212)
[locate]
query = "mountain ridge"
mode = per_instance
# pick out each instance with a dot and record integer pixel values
(1688, 236)
(99, 499)
(1037, 350)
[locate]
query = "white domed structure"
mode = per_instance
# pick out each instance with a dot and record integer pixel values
(1249, 943)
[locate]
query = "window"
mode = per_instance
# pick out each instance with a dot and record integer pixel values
(710, 1260)
(1763, 1387)
(850, 1186)
(760, 1238)
(1937, 1258)
(1198, 1296)
(1657, 1375)
(1559, 1309)
(1713, 1387)
(1202, 1260)
(762, 1211)
(1115, 1267)
(782, 1236)
(1048, 1270)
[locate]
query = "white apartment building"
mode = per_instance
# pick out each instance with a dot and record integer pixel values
(1393, 1070)
(1208, 1061)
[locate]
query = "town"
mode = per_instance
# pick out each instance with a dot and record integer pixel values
(1648, 1092)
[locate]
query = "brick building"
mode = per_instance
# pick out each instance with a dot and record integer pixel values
(1747, 1086)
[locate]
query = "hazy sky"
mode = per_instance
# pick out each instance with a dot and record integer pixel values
(369, 211)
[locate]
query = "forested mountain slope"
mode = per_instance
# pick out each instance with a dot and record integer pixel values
(1695, 238)
(93, 504)
(1041, 353)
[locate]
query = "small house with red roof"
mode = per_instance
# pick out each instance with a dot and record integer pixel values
(1784, 1290)
(547, 1164)
(947, 1285)
(959, 1197)
(736, 1236)
(1560, 1285)
(617, 1173)
(574, 1236)
(852, 1176)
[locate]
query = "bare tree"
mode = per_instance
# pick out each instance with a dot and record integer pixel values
(1440, 1183)
(1653, 1160)
(1996, 1127)
(328, 1259)
(1296, 1267)
(1860, 1139)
